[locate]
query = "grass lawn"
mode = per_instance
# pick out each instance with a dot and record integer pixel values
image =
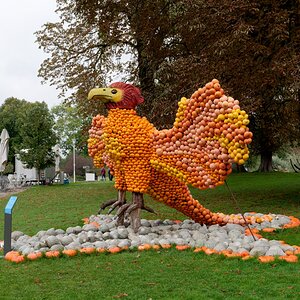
(166, 274)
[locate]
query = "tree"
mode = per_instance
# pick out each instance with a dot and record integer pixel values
(69, 127)
(36, 149)
(11, 117)
(175, 46)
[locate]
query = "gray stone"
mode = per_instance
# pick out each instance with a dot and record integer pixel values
(211, 243)
(234, 234)
(91, 236)
(82, 237)
(33, 240)
(88, 245)
(100, 244)
(274, 251)
(124, 243)
(98, 235)
(145, 223)
(261, 243)
(144, 239)
(44, 249)
(246, 246)
(236, 244)
(112, 225)
(106, 236)
(114, 234)
(38, 246)
(73, 245)
(59, 231)
(230, 227)
(199, 242)
(286, 247)
(163, 242)
(196, 226)
(185, 234)
(198, 235)
(89, 227)
(15, 235)
(203, 229)
(51, 231)
(70, 230)
(241, 250)
(77, 229)
(122, 232)
(104, 228)
(213, 228)
(112, 243)
(221, 246)
(276, 224)
(168, 222)
(156, 223)
(52, 240)
(180, 241)
(41, 233)
(57, 247)
(258, 251)
(265, 224)
(25, 248)
(134, 244)
(188, 226)
(66, 240)
(24, 238)
(144, 230)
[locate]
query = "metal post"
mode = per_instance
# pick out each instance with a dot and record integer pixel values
(74, 164)
(8, 223)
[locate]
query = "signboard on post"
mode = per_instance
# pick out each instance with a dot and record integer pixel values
(8, 223)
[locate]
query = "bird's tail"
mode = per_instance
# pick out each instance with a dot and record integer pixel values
(174, 193)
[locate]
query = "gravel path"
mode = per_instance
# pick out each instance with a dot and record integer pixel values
(101, 233)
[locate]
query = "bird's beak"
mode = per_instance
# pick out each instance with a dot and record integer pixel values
(106, 94)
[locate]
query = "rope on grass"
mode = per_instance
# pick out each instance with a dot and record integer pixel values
(239, 209)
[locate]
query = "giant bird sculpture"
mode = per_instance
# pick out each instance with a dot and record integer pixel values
(209, 134)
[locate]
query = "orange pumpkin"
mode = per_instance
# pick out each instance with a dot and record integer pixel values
(182, 247)
(266, 258)
(88, 250)
(114, 250)
(289, 258)
(69, 252)
(32, 256)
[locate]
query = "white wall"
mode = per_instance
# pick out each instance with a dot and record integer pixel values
(21, 170)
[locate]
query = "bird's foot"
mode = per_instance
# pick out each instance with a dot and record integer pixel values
(113, 203)
(106, 204)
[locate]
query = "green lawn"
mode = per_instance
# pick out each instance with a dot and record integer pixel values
(166, 274)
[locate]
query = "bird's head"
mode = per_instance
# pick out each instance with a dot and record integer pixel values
(118, 95)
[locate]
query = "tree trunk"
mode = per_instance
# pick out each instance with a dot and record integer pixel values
(266, 161)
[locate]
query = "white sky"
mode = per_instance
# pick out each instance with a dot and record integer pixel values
(20, 57)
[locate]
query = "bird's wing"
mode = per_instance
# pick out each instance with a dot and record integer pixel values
(96, 147)
(209, 134)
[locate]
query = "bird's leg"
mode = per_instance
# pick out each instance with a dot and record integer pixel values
(120, 215)
(134, 210)
(114, 202)
(120, 201)
(148, 209)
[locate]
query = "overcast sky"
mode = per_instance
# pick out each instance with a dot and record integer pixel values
(20, 57)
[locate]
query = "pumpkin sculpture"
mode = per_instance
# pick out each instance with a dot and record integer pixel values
(209, 134)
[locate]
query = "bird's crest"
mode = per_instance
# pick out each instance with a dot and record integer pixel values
(131, 98)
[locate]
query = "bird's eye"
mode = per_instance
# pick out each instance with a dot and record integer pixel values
(114, 91)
